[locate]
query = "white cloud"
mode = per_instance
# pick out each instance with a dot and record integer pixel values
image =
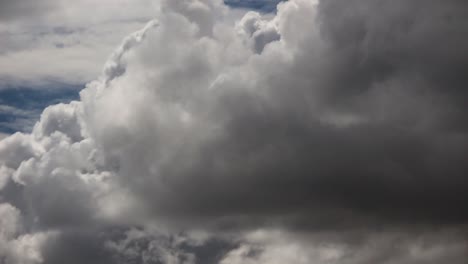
(16, 248)
(74, 37)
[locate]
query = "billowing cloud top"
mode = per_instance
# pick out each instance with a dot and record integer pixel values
(331, 132)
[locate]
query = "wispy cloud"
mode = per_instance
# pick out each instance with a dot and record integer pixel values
(75, 38)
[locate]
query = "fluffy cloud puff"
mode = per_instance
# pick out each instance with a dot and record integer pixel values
(329, 133)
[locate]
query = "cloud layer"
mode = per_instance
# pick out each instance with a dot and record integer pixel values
(74, 37)
(332, 132)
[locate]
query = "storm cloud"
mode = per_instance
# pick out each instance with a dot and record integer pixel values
(330, 132)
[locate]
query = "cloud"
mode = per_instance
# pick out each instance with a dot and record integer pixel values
(76, 38)
(328, 133)
(275, 247)
(16, 248)
(2, 135)
(15, 10)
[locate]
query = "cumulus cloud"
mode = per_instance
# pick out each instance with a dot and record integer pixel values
(330, 132)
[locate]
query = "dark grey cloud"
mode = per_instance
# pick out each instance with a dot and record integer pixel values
(132, 246)
(387, 40)
(399, 161)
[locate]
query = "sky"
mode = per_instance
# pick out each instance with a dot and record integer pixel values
(228, 132)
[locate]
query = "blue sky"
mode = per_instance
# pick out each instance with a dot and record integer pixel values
(71, 51)
(20, 107)
(263, 5)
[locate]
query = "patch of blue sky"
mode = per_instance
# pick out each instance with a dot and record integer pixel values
(259, 5)
(21, 107)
